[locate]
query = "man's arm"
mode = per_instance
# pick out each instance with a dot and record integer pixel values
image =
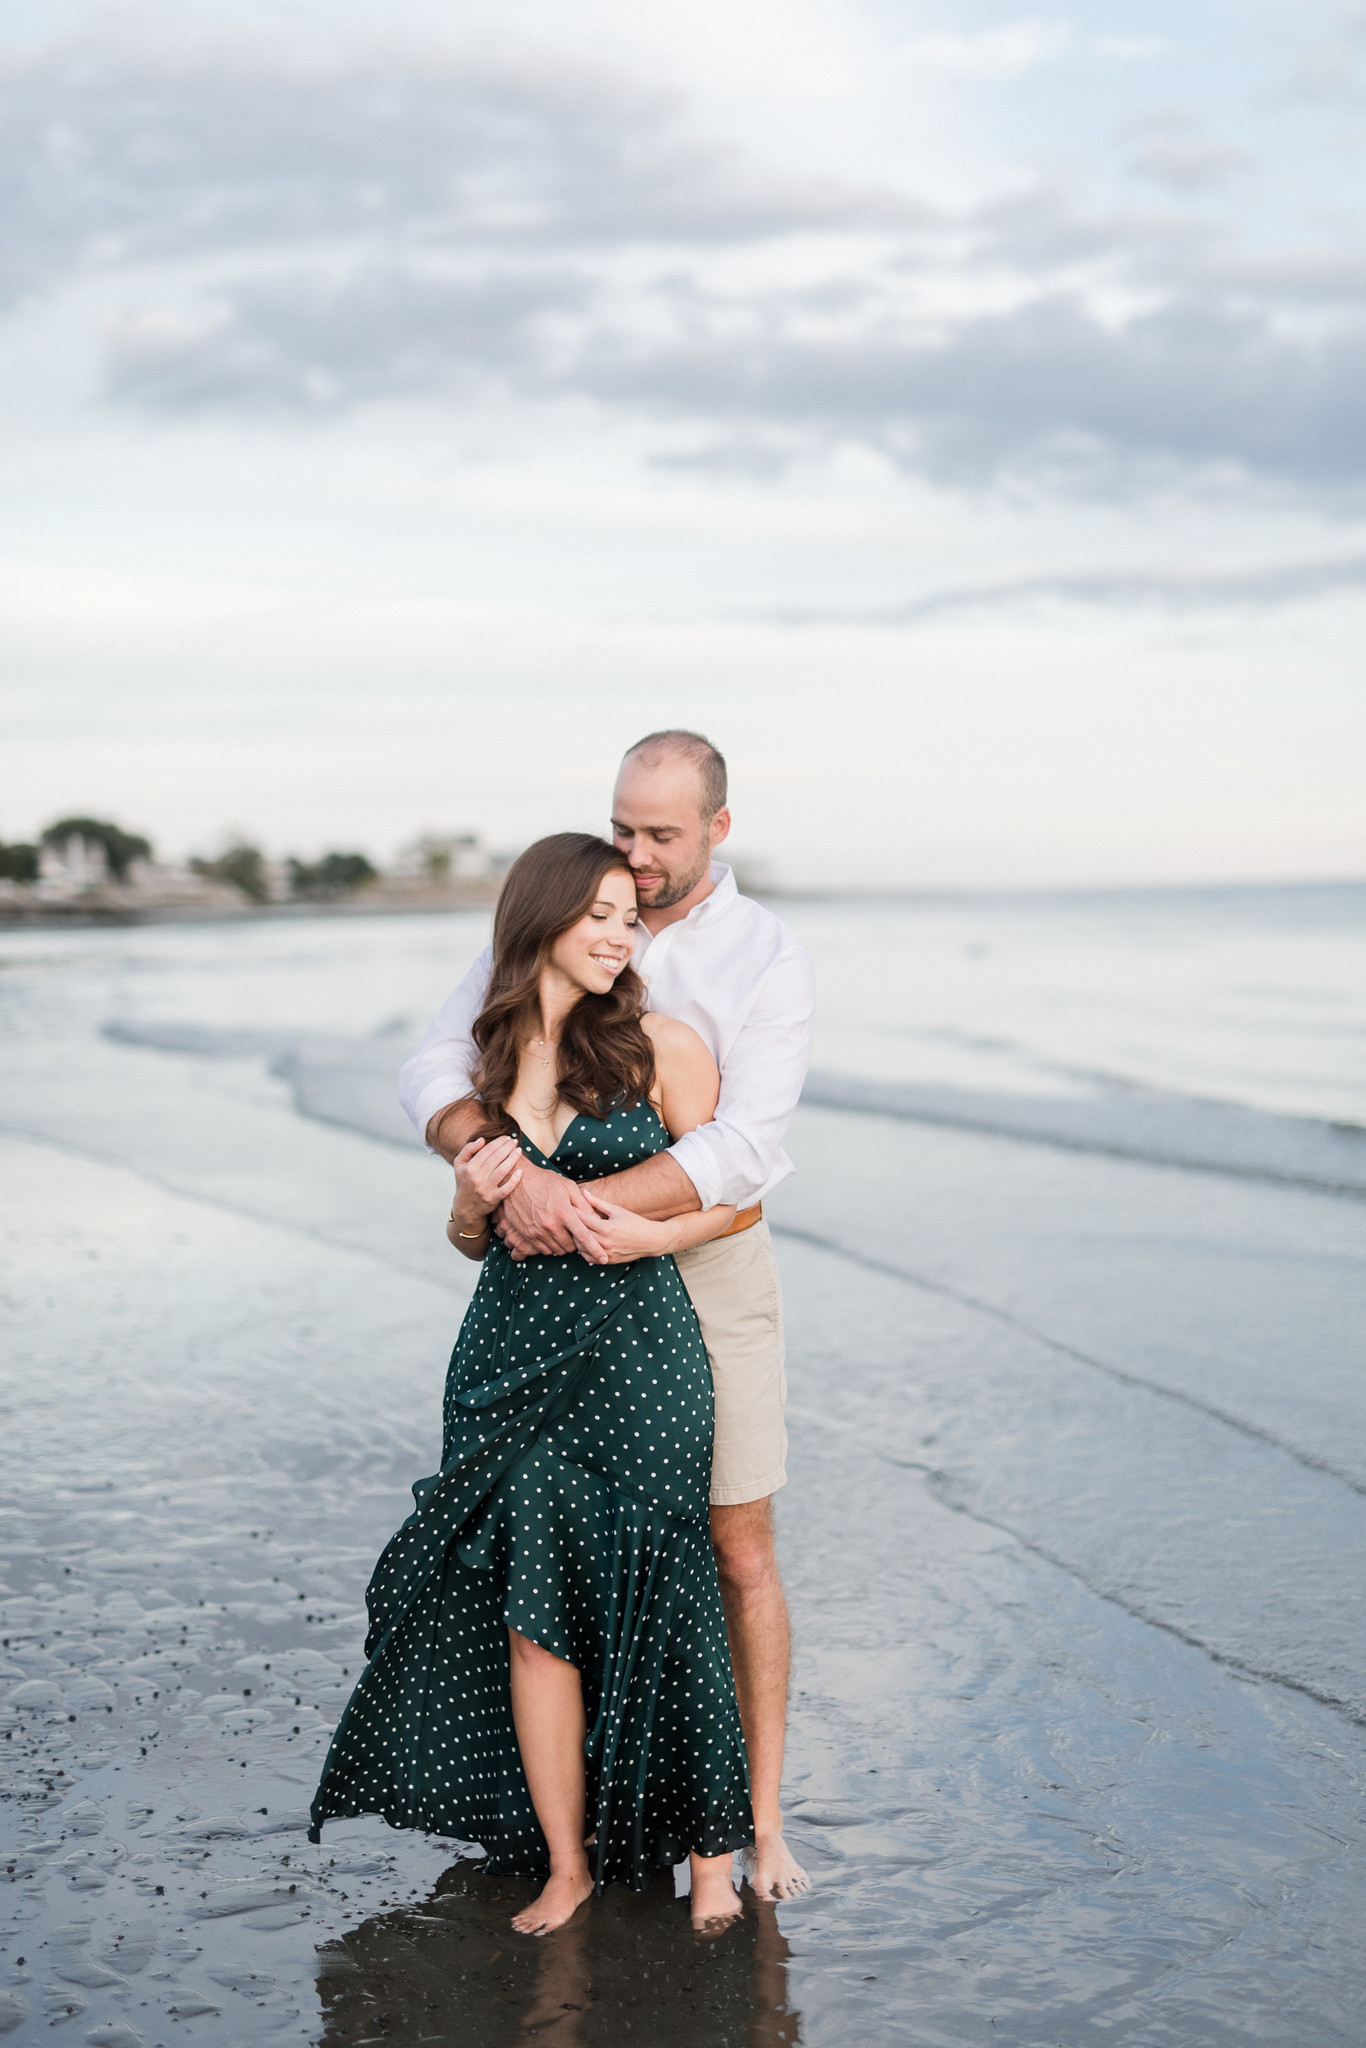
(732, 1158)
(438, 1073)
(657, 1188)
(453, 1127)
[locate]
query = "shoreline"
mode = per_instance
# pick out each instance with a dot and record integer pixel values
(119, 916)
(94, 915)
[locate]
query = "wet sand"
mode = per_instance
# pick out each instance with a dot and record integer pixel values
(1073, 1540)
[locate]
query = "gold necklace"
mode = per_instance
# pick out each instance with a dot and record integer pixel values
(546, 1109)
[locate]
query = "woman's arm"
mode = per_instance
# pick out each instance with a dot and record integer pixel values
(619, 1235)
(680, 1233)
(485, 1171)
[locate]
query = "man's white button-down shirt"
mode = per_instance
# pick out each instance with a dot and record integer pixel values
(734, 972)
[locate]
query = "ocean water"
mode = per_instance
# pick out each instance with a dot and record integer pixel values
(1220, 1026)
(1254, 997)
(1075, 1269)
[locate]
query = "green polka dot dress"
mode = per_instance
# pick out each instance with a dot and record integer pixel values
(571, 1505)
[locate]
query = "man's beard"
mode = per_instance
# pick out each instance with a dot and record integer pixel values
(674, 891)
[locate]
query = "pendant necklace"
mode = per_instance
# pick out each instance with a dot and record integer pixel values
(542, 1109)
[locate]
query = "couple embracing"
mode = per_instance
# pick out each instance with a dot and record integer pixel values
(578, 1644)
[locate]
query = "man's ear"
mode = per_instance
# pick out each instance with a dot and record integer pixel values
(720, 827)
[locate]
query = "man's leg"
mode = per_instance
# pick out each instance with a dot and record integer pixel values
(735, 1289)
(757, 1627)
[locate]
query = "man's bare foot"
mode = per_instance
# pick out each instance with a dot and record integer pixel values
(558, 1903)
(772, 1869)
(715, 1900)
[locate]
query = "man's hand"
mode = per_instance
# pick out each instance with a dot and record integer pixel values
(535, 1216)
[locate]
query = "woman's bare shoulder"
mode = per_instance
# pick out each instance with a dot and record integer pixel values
(670, 1036)
(686, 1080)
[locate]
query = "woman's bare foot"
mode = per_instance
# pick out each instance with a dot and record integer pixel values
(558, 1903)
(714, 1897)
(773, 1870)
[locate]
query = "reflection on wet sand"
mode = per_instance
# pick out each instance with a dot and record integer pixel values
(627, 1969)
(1038, 1809)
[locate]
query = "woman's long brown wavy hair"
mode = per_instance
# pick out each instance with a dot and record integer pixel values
(606, 1060)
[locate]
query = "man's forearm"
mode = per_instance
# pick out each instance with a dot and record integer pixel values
(452, 1128)
(657, 1188)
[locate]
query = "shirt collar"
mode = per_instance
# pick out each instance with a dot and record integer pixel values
(724, 893)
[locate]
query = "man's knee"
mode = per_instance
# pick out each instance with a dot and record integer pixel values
(742, 1538)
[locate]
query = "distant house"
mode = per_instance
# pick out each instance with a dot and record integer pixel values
(75, 872)
(70, 866)
(439, 858)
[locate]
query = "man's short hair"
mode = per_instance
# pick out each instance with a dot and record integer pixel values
(692, 747)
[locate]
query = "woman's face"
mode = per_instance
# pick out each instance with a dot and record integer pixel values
(592, 953)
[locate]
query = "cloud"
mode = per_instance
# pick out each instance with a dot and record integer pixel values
(423, 225)
(1049, 390)
(1006, 52)
(1018, 47)
(1332, 72)
(1262, 589)
(1172, 150)
(117, 153)
(318, 341)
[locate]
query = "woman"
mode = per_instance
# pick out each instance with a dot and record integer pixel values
(549, 1674)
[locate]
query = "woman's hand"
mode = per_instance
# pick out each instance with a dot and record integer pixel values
(486, 1170)
(614, 1235)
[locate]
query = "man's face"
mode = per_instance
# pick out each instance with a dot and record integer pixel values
(657, 824)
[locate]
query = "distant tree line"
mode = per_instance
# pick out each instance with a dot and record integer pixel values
(242, 866)
(322, 881)
(336, 874)
(18, 861)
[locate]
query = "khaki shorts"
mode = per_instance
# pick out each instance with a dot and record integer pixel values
(734, 1286)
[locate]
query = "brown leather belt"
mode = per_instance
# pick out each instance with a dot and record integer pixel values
(745, 1219)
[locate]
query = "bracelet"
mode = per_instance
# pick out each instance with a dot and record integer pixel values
(481, 1232)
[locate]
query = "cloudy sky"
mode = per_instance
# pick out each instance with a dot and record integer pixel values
(958, 412)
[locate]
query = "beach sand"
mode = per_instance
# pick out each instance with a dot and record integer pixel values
(1073, 1540)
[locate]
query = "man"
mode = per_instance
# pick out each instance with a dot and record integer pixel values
(732, 970)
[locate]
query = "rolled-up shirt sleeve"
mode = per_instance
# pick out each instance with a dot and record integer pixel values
(439, 1071)
(738, 1156)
